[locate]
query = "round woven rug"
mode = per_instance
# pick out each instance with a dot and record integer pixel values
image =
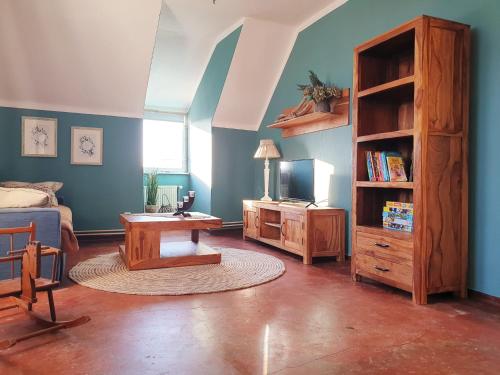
(238, 269)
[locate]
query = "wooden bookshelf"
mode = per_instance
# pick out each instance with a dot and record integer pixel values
(404, 101)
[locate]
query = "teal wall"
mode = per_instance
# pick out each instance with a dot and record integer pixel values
(327, 48)
(96, 194)
(200, 121)
(232, 172)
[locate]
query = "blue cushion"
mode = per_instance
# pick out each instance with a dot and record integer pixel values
(48, 232)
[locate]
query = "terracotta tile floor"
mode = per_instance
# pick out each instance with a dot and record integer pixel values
(313, 320)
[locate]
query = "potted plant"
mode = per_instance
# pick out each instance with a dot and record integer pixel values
(320, 93)
(151, 192)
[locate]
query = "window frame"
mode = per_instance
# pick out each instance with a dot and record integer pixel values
(154, 115)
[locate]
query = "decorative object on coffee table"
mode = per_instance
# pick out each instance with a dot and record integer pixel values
(86, 145)
(165, 207)
(39, 137)
(185, 205)
(267, 150)
(151, 192)
(147, 242)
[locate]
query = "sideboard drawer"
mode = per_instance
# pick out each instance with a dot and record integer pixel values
(396, 274)
(383, 247)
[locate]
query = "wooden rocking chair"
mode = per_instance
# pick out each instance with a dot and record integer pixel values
(21, 291)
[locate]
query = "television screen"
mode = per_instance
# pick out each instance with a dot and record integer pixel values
(297, 180)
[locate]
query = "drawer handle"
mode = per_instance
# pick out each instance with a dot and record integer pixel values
(256, 222)
(381, 269)
(384, 245)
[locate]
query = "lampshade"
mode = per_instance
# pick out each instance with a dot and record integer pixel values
(267, 149)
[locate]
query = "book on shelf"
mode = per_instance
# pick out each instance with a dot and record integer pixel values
(401, 205)
(398, 216)
(396, 167)
(385, 166)
(369, 165)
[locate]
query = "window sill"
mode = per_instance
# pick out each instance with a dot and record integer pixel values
(159, 172)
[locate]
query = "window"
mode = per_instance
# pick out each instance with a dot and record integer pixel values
(164, 146)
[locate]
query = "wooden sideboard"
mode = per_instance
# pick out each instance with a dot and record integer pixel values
(308, 232)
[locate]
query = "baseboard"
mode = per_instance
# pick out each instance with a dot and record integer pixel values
(483, 297)
(99, 232)
(232, 225)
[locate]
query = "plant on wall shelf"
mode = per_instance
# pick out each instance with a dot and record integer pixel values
(151, 191)
(319, 92)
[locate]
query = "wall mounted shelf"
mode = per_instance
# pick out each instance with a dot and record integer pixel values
(316, 121)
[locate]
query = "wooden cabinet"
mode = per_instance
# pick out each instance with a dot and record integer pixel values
(250, 222)
(293, 232)
(308, 232)
(411, 95)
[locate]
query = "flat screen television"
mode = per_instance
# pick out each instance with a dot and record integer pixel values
(297, 180)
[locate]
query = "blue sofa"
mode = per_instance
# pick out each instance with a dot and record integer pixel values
(48, 232)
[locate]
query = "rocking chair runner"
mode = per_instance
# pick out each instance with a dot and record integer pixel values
(21, 292)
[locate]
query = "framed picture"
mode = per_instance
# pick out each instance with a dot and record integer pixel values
(39, 137)
(86, 146)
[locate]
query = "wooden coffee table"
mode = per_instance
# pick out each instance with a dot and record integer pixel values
(147, 246)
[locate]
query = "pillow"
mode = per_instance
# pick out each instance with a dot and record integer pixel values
(55, 186)
(49, 187)
(23, 198)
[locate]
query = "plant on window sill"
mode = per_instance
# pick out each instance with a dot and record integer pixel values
(151, 192)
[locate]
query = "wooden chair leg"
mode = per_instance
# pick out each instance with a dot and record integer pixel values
(51, 305)
(5, 344)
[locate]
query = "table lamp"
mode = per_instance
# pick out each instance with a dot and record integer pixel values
(267, 150)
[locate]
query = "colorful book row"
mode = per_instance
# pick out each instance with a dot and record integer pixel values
(398, 216)
(385, 166)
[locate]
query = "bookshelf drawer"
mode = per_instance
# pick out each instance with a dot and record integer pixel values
(396, 274)
(392, 249)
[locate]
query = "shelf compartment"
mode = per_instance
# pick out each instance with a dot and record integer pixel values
(387, 135)
(393, 85)
(385, 185)
(386, 111)
(270, 227)
(388, 61)
(370, 203)
(402, 145)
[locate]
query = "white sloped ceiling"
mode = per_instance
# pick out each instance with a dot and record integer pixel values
(260, 56)
(188, 33)
(87, 56)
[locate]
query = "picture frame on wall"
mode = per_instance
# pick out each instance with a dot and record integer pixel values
(86, 146)
(39, 137)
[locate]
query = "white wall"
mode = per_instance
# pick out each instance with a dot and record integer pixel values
(259, 58)
(87, 56)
